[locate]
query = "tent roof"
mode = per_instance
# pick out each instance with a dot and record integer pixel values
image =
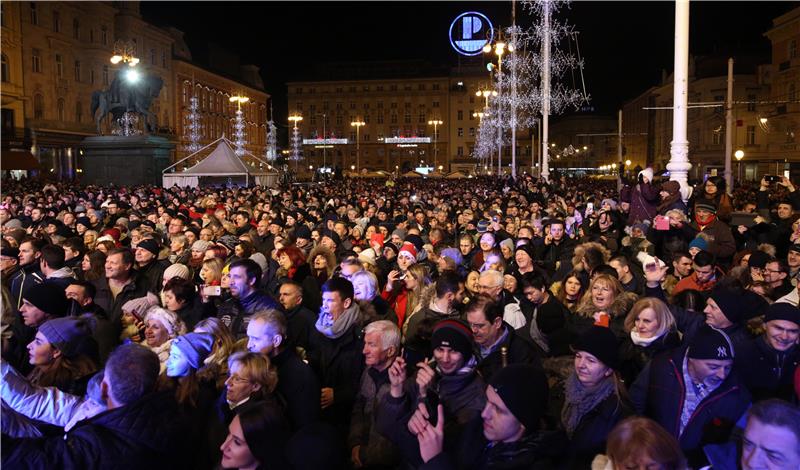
(411, 174)
(456, 175)
(221, 161)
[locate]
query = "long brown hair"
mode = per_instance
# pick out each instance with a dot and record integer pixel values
(62, 371)
(636, 438)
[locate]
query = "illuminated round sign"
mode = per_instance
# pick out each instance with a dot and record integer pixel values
(469, 32)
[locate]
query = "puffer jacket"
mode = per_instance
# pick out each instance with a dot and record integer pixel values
(143, 434)
(46, 404)
(375, 449)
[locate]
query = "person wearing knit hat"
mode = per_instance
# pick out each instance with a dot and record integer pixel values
(522, 390)
(201, 246)
(69, 335)
(483, 226)
(406, 256)
(592, 402)
(453, 335)
(729, 307)
(767, 364)
(330, 240)
(376, 242)
(188, 352)
(608, 205)
(150, 245)
(161, 328)
(697, 245)
(705, 205)
(42, 302)
(176, 270)
(398, 236)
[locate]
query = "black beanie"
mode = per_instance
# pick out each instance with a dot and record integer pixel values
(523, 389)
(710, 343)
(453, 334)
(302, 232)
(150, 245)
(601, 343)
(333, 236)
(738, 305)
(783, 311)
(48, 298)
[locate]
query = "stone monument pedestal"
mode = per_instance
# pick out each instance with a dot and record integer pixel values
(125, 160)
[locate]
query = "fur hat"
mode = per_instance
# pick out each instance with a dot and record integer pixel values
(171, 321)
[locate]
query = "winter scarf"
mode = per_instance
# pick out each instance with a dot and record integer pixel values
(644, 342)
(580, 400)
(334, 329)
(702, 226)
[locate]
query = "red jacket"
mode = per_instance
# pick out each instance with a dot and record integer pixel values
(691, 282)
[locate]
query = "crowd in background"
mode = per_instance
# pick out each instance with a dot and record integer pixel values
(435, 324)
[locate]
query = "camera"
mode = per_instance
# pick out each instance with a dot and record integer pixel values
(772, 178)
(212, 291)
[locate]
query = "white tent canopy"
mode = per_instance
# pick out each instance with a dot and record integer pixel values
(221, 162)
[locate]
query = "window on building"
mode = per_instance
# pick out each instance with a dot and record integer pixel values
(324, 105)
(352, 136)
(435, 104)
(91, 76)
(104, 35)
(60, 107)
(470, 113)
(91, 35)
(352, 105)
(421, 87)
(421, 117)
(435, 86)
(394, 119)
(34, 14)
(38, 106)
(460, 151)
(4, 68)
(393, 105)
(152, 57)
(77, 70)
(59, 66)
(471, 99)
(339, 119)
(460, 115)
(164, 58)
(751, 105)
(105, 75)
(380, 118)
(472, 132)
(461, 132)
(792, 49)
(339, 106)
(352, 89)
(313, 120)
(56, 22)
(407, 87)
(365, 88)
(36, 60)
(76, 28)
(366, 106)
(380, 87)
(407, 118)
(751, 135)
(792, 92)
(790, 134)
(716, 137)
(78, 112)
(392, 87)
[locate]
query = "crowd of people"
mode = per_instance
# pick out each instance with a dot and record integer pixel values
(436, 324)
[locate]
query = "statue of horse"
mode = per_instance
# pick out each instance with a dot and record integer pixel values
(125, 96)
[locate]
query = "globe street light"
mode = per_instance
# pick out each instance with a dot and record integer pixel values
(357, 125)
(739, 154)
(435, 123)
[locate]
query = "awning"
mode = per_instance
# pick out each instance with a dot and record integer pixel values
(18, 160)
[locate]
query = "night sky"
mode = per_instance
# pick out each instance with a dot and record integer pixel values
(625, 44)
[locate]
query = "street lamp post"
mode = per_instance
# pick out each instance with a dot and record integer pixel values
(357, 125)
(739, 154)
(500, 48)
(435, 123)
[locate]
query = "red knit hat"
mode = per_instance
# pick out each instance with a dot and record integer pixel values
(408, 248)
(376, 238)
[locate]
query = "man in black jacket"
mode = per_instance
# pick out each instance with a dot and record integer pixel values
(335, 351)
(498, 345)
(767, 364)
(149, 270)
(28, 274)
(297, 384)
(246, 299)
(141, 429)
(301, 320)
(693, 393)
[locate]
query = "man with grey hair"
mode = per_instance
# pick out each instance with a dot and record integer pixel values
(490, 283)
(367, 447)
(142, 427)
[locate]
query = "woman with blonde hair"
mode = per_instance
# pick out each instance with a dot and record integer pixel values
(651, 329)
(405, 295)
(639, 442)
(605, 303)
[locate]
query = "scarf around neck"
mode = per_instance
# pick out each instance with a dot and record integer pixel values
(579, 400)
(639, 341)
(334, 329)
(707, 223)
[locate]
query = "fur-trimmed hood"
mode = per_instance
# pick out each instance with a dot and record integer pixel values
(619, 308)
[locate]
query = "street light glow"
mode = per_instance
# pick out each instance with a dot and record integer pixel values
(132, 76)
(739, 154)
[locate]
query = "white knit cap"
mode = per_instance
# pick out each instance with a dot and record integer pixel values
(176, 270)
(171, 321)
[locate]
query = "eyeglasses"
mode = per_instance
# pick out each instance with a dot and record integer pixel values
(238, 380)
(478, 326)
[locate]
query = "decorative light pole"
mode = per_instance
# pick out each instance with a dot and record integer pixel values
(124, 52)
(295, 118)
(500, 48)
(238, 133)
(357, 125)
(193, 126)
(679, 164)
(435, 123)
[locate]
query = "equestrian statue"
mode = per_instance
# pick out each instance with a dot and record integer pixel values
(127, 96)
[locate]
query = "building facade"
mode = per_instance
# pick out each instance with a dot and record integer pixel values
(56, 54)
